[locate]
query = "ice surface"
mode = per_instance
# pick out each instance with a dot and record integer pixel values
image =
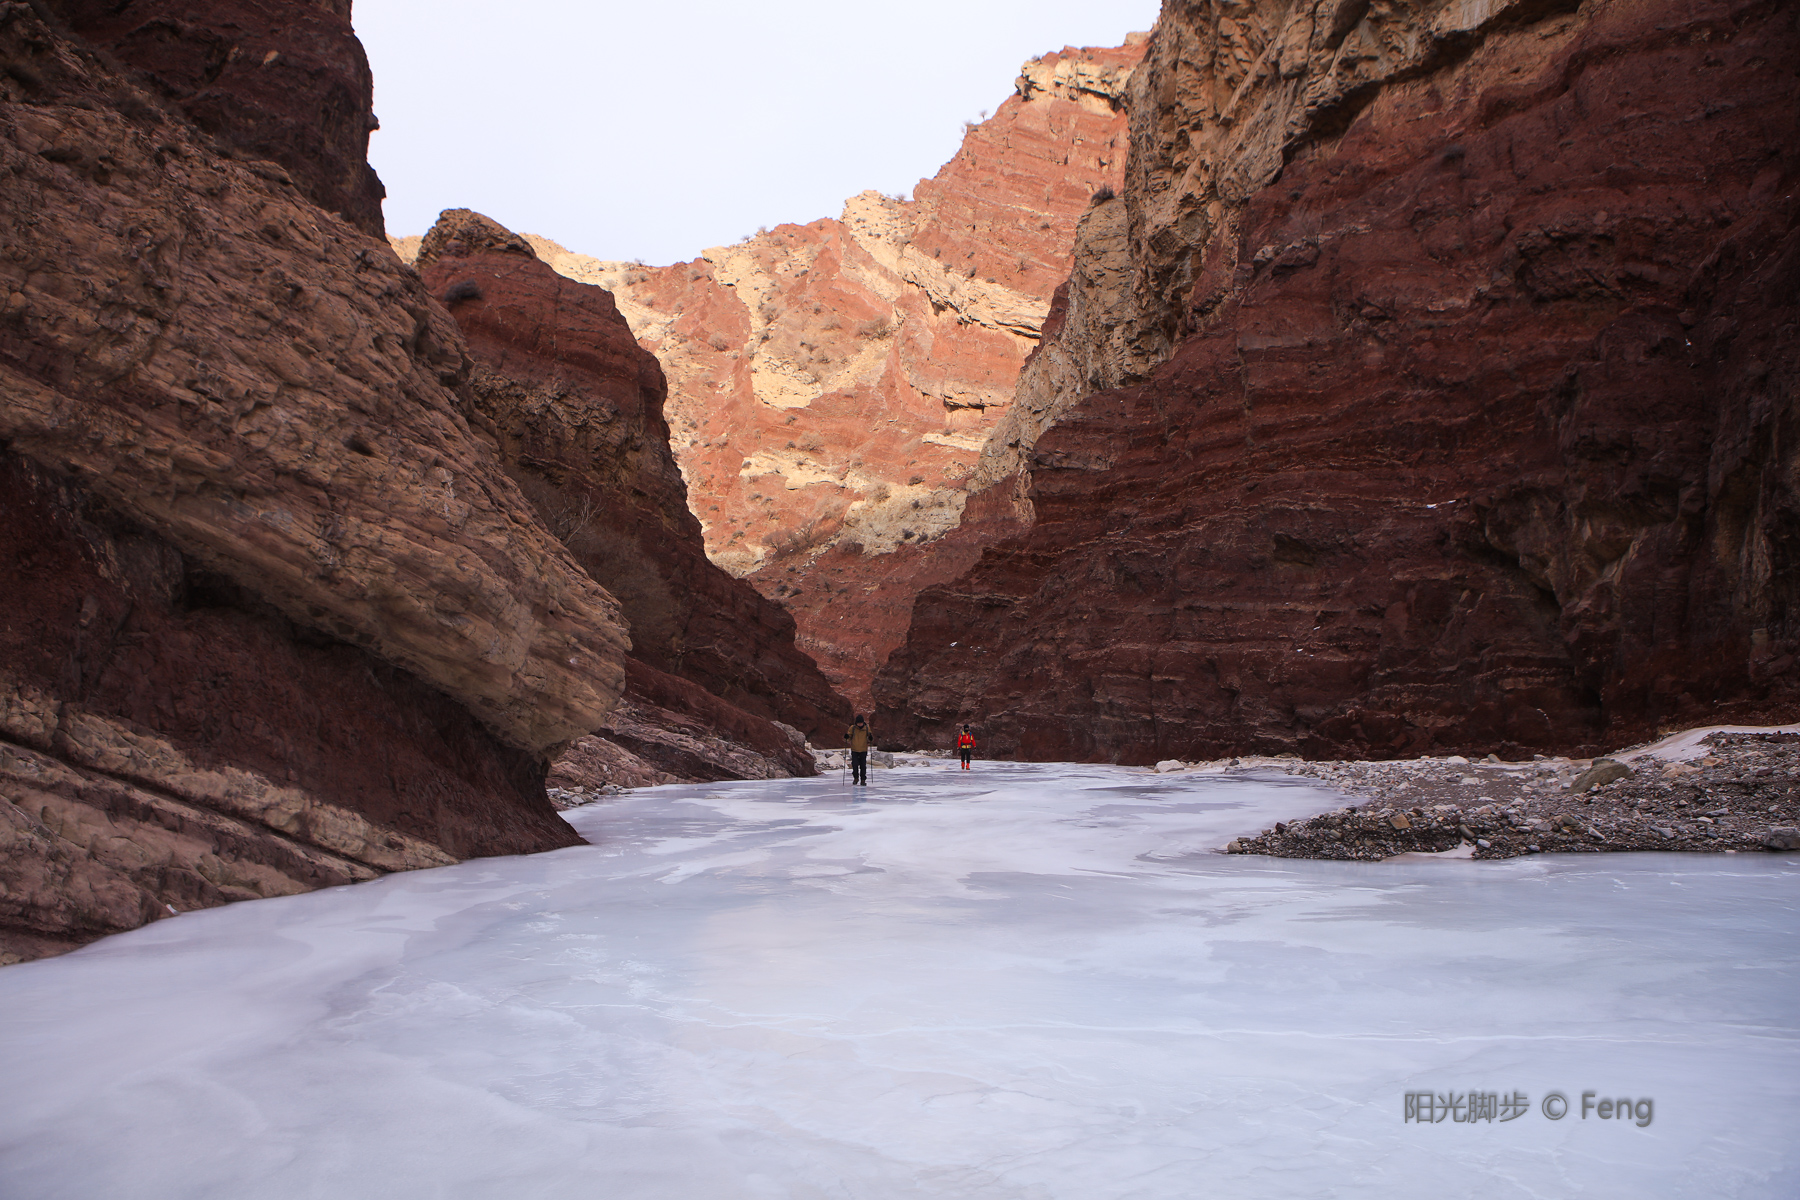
(1031, 981)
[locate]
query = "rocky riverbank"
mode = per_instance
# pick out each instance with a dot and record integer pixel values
(1720, 791)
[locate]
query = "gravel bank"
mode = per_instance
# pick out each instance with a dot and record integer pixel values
(1719, 792)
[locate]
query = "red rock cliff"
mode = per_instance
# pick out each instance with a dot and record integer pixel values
(1474, 426)
(276, 616)
(284, 82)
(831, 384)
(576, 407)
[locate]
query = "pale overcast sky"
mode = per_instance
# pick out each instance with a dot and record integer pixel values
(651, 130)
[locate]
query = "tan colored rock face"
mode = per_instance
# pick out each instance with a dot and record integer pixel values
(1079, 354)
(1477, 335)
(270, 389)
(275, 616)
(832, 384)
(169, 740)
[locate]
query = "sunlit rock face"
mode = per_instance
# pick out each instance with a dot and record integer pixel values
(831, 384)
(1462, 340)
(275, 616)
(575, 407)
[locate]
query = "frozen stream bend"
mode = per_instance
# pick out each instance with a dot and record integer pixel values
(1025, 981)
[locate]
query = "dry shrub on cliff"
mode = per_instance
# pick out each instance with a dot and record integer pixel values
(568, 514)
(875, 328)
(797, 543)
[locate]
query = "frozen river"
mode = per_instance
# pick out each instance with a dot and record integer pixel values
(1030, 981)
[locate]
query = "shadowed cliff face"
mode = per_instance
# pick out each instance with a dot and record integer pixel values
(576, 408)
(279, 617)
(1476, 428)
(285, 82)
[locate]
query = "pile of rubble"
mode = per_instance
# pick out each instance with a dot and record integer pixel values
(575, 797)
(1742, 793)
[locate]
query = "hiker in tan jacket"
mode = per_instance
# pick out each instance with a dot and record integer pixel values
(858, 737)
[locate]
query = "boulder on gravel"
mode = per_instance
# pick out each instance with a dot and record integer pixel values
(1603, 772)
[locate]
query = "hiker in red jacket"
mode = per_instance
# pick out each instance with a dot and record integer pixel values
(965, 746)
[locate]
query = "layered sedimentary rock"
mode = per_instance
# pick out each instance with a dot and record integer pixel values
(276, 616)
(168, 738)
(831, 384)
(285, 83)
(670, 730)
(575, 406)
(1476, 428)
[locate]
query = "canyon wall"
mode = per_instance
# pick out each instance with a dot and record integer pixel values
(286, 84)
(575, 407)
(831, 384)
(276, 615)
(1458, 343)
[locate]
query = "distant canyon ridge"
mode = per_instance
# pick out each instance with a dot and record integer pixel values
(832, 386)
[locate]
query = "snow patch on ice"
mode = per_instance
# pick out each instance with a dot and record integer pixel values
(1686, 745)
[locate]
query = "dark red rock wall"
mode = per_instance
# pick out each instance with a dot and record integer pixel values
(1481, 436)
(286, 82)
(854, 608)
(576, 407)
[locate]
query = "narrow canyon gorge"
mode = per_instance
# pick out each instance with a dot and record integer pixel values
(1308, 377)
(832, 384)
(1308, 498)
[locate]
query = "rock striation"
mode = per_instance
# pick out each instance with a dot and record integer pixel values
(575, 406)
(289, 86)
(1459, 346)
(276, 615)
(832, 384)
